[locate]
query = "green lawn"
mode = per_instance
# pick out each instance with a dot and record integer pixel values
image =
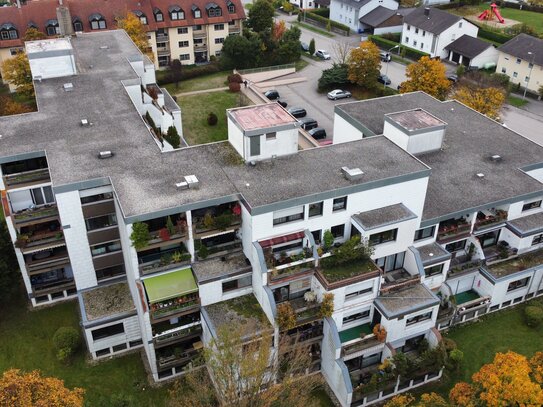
(480, 341)
(26, 343)
(197, 107)
(517, 101)
(531, 18)
(314, 29)
(211, 81)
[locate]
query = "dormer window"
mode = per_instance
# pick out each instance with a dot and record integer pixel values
(8, 32)
(158, 15)
(97, 21)
(32, 24)
(231, 7)
(213, 10)
(51, 27)
(142, 17)
(78, 24)
(176, 13)
(196, 12)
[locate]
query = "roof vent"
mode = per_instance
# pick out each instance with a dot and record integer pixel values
(38, 78)
(182, 185)
(480, 175)
(190, 182)
(352, 173)
(104, 47)
(105, 154)
(85, 123)
(496, 157)
(68, 87)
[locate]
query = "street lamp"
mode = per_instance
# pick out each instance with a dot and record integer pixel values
(386, 69)
(529, 74)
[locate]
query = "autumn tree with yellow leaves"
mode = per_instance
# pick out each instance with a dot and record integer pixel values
(427, 75)
(33, 34)
(487, 101)
(16, 71)
(136, 31)
(32, 390)
(364, 64)
(8, 106)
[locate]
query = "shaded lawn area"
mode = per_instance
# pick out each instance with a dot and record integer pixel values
(196, 108)
(517, 101)
(211, 81)
(480, 341)
(26, 343)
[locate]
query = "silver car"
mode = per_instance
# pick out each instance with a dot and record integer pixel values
(339, 94)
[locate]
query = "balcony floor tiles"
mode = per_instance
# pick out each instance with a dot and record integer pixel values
(354, 333)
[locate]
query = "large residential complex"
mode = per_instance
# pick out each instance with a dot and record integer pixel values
(191, 32)
(162, 246)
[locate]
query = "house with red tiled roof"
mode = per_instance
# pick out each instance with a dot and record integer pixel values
(189, 30)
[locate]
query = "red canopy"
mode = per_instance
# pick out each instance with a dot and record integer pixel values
(281, 239)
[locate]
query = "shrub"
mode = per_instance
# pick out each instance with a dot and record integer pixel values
(350, 251)
(286, 317)
(223, 221)
(493, 36)
(533, 316)
(380, 332)
(164, 234)
(170, 226)
(234, 87)
(212, 119)
(203, 252)
(172, 137)
(396, 37)
(150, 121)
(326, 22)
(327, 305)
(312, 44)
(456, 356)
(188, 72)
(140, 235)
(449, 344)
(66, 340)
(327, 239)
(323, 12)
(235, 77)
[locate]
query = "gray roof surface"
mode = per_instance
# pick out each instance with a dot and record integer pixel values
(437, 22)
(431, 252)
(386, 215)
(377, 16)
(468, 46)
(105, 301)
(405, 301)
(521, 45)
(143, 177)
(244, 311)
(528, 224)
(469, 142)
(213, 269)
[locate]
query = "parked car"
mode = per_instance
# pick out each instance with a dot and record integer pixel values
(272, 94)
(322, 54)
(297, 112)
(317, 133)
(282, 103)
(339, 94)
(307, 123)
(385, 56)
(453, 78)
(384, 79)
(305, 46)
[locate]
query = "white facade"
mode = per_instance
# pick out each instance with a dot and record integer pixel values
(348, 13)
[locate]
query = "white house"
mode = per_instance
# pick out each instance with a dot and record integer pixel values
(430, 30)
(382, 20)
(348, 12)
(472, 52)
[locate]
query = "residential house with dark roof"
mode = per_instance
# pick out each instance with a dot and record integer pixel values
(472, 52)
(522, 60)
(430, 30)
(382, 20)
(349, 12)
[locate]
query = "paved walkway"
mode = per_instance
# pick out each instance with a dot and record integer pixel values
(197, 92)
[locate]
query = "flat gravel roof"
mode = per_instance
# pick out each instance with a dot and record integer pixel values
(386, 215)
(405, 301)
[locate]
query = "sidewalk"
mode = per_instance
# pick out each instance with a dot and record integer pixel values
(534, 106)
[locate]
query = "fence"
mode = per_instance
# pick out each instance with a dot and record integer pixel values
(324, 23)
(266, 68)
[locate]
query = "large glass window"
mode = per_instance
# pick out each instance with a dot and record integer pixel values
(356, 317)
(42, 196)
(518, 284)
(242, 282)
(338, 231)
(538, 239)
(531, 205)
(339, 204)
(101, 222)
(96, 198)
(433, 270)
(110, 272)
(456, 246)
(358, 293)
(104, 248)
(315, 209)
(419, 318)
(107, 331)
(383, 237)
(425, 233)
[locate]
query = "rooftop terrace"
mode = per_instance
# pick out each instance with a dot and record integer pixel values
(405, 301)
(214, 269)
(244, 310)
(516, 264)
(107, 300)
(416, 119)
(261, 116)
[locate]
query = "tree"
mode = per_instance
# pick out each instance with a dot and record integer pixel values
(8, 106)
(401, 400)
(33, 34)
(279, 29)
(16, 70)
(9, 275)
(536, 364)
(487, 101)
(260, 16)
(176, 72)
(427, 75)
(240, 51)
(289, 48)
(432, 400)
(342, 50)
(136, 31)
(241, 369)
(364, 64)
(312, 47)
(334, 77)
(172, 137)
(31, 389)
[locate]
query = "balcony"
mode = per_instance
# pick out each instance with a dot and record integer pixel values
(304, 335)
(159, 232)
(41, 238)
(163, 260)
(357, 339)
(305, 311)
(163, 51)
(234, 29)
(177, 334)
(43, 261)
(53, 286)
(177, 355)
(488, 219)
(469, 301)
(27, 178)
(34, 216)
(515, 264)
(160, 310)
(199, 34)
(332, 277)
(453, 229)
(397, 279)
(215, 220)
(217, 246)
(162, 37)
(200, 47)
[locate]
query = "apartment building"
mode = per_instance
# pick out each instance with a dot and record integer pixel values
(191, 32)
(162, 247)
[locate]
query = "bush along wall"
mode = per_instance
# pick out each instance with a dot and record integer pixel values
(323, 22)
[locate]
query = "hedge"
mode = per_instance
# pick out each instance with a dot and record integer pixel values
(324, 21)
(406, 51)
(494, 36)
(324, 12)
(525, 7)
(187, 73)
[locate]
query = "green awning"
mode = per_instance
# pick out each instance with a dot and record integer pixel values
(170, 285)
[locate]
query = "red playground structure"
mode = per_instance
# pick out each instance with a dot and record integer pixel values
(487, 14)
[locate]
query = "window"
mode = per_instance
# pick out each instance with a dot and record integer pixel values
(339, 204)
(107, 331)
(383, 237)
(526, 79)
(96, 198)
(254, 145)
(217, 53)
(433, 270)
(105, 248)
(176, 13)
(143, 20)
(317, 236)
(538, 239)
(415, 43)
(416, 30)
(97, 21)
(515, 74)
(42, 196)
(242, 282)
(78, 26)
(288, 215)
(518, 284)
(214, 12)
(183, 30)
(161, 44)
(119, 347)
(232, 23)
(158, 15)
(338, 231)
(456, 246)
(519, 60)
(407, 40)
(391, 262)
(9, 33)
(408, 27)
(531, 205)
(197, 28)
(219, 40)
(101, 222)
(356, 317)
(197, 13)
(182, 44)
(419, 318)
(424, 233)
(424, 33)
(271, 136)
(219, 27)
(358, 293)
(504, 70)
(184, 57)
(198, 41)
(52, 29)
(109, 272)
(231, 8)
(15, 51)
(315, 209)
(460, 24)
(421, 45)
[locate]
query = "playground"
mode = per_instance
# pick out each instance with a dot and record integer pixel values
(491, 16)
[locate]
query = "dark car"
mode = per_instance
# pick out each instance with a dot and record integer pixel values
(383, 79)
(307, 123)
(297, 112)
(282, 103)
(317, 133)
(305, 46)
(272, 94)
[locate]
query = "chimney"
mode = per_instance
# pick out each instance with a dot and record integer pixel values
(427, 11)
(64, 20)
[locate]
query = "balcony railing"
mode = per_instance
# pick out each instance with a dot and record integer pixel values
(43, 213)
(176, 359)
(290, 269)
(360, 344)
(162, 51)
(199, 34)
(233, 29)
(218, 223)
(485, 221)
(177, 334)
(53, 286)
(162, 37)
(39, 240)
(453, 231)
(174, 306)
(40, 265)
(159, 265)
(27, 178)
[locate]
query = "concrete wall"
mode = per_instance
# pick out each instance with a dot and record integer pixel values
(398, 331)
(131, 333)
(344, 131)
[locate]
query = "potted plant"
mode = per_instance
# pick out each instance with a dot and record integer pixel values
(327, 305)
(380, 332)
(140, 235)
